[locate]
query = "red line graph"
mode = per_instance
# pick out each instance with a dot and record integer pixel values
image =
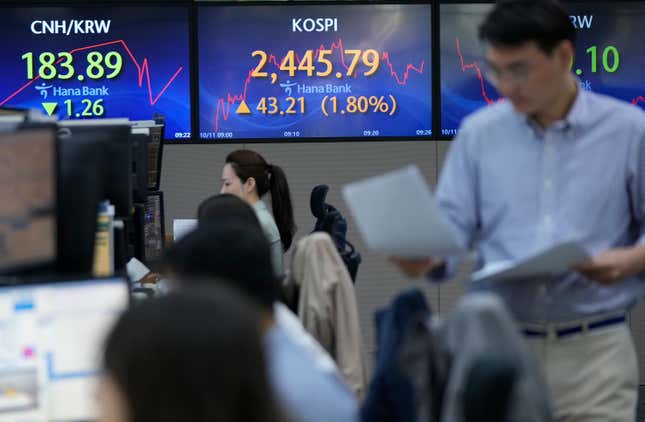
(639, 99)
(224, 104)
(475, 66)
(142, 70)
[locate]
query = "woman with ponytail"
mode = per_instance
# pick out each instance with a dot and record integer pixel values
(247, 175)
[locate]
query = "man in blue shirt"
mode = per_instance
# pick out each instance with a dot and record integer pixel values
(554, 163)
(234, 251)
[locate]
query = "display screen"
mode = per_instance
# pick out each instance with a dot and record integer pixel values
(314, 71)
(27, 199)
(94, 62)
(52, 339)
(608, 56)
(153, 229)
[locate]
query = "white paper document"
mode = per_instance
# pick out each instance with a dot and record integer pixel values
(182, 226)
(136, 269)
(551, 262)
(396, 214)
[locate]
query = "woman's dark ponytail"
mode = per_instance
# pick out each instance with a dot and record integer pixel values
(282, 208)
(268, 178)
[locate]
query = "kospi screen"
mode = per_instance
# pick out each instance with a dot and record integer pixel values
(93, 62)
(314, 71)
(608, 57)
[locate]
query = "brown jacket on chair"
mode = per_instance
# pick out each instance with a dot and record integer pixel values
(327, 305)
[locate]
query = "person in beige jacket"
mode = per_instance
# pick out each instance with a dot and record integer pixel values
(327, 305)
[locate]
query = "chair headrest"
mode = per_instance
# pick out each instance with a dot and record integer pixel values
(317, 200)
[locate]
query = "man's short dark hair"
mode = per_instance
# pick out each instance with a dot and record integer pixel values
(191, 356)
(226, 252)
(226, 206)
(512, 23)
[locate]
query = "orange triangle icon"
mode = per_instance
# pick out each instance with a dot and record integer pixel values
(243, 108)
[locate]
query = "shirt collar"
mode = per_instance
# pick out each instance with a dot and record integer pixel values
(259, 205)
(575, 118)
(578, 113)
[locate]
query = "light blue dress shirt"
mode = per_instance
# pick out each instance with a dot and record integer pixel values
(511, 189)
(306, 392)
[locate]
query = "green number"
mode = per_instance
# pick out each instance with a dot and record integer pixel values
(69, 107)
(115, 64)
(605, 59)
(594, 65)
(30, 64)
(88, 105)
(609, 50)
(97, 107)
(94, 59)
(67, 64)
(47, 69)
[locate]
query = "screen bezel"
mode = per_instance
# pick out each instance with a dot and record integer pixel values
(196, 138)
(30, 281)
(436, 33)
(188, 5)
(193, 7)
(438, 79)
(56, 280)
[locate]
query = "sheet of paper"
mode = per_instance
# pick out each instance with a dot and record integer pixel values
(182, 226)
(396, 214)
(136, 269)
(551, 262)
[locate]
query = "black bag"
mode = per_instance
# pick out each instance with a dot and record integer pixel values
(331, 221)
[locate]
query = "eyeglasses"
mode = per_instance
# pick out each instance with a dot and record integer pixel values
(516, 75)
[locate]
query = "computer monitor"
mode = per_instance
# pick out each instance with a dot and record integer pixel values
(155, 150)
(52, 336)
(314, 70)
(28, 172)
(117, 155)
(139, 140)
(81, 188)
(155, 154)
(108, 59)
(11, 122)
(154, 227)
(13, 111)
(607, 57)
